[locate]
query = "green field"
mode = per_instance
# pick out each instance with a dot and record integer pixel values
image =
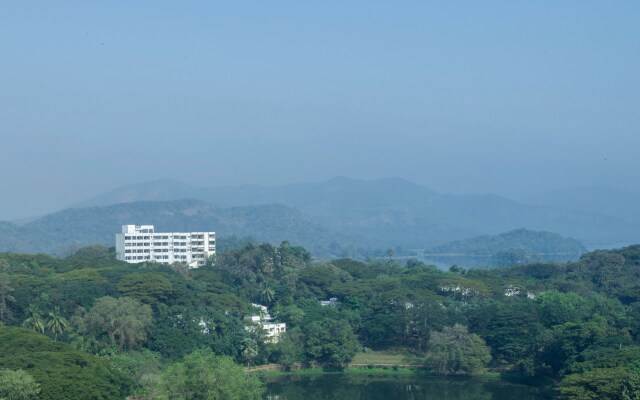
(380, 357)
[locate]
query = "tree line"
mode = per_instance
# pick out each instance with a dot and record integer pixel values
(573, 323)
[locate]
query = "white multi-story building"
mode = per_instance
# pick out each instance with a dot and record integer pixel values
(272, 330)
(139, 243)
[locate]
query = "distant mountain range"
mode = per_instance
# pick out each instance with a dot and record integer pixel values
(341, 216)
(397, 212)
(69, 229)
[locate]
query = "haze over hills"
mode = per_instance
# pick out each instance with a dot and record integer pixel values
(604, 200)
(68, 229)
(338, 217)
(394, 211)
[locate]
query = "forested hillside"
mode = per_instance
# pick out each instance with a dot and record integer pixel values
(577, 324)
(519, 246)
(398, 212)
(63, 232)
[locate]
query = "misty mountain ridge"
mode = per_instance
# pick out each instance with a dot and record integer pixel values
(66, 230)
(338, 217)
(299, 194)
(393, 211)
(157, 190)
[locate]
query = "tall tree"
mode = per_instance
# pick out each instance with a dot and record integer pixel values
(123, 320)
(455, 351)
(203, 375)
(56, 323)
(35, 322)
(290, 348)
(331, 343)
(249, 350)
(5, 298)
(267, 295)
(557, 308)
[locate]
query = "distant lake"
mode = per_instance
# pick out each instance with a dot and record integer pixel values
(444, 261)
(396, 387)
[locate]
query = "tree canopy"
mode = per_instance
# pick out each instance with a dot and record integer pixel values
(119, 327)
(204, 376)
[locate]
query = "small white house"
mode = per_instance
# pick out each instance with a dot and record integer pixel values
(272, 330)
(333, 302)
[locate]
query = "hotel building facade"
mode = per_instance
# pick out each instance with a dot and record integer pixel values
(140, 243)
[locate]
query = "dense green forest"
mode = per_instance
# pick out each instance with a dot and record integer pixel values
(95, 324)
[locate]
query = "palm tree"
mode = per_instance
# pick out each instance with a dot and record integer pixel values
(249, 349)
(35, 322)
(5, 298)
(56, 323)
(267, 295)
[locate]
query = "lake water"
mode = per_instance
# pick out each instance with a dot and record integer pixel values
(398, 387)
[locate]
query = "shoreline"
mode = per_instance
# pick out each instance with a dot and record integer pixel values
(275, 370)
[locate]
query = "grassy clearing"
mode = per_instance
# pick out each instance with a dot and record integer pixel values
(351, 371)
(489, 375)
(379, 357)
(381, 371)
(304, 372)
(364, 363)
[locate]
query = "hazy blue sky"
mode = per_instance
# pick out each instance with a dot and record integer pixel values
(509, 97)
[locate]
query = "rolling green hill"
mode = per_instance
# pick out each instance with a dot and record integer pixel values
(65, 231)
(519, 246)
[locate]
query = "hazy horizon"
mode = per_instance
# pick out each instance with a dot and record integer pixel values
(523, 200)
(51, 207)
(503, 98)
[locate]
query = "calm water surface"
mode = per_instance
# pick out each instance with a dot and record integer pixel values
(403, 387)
